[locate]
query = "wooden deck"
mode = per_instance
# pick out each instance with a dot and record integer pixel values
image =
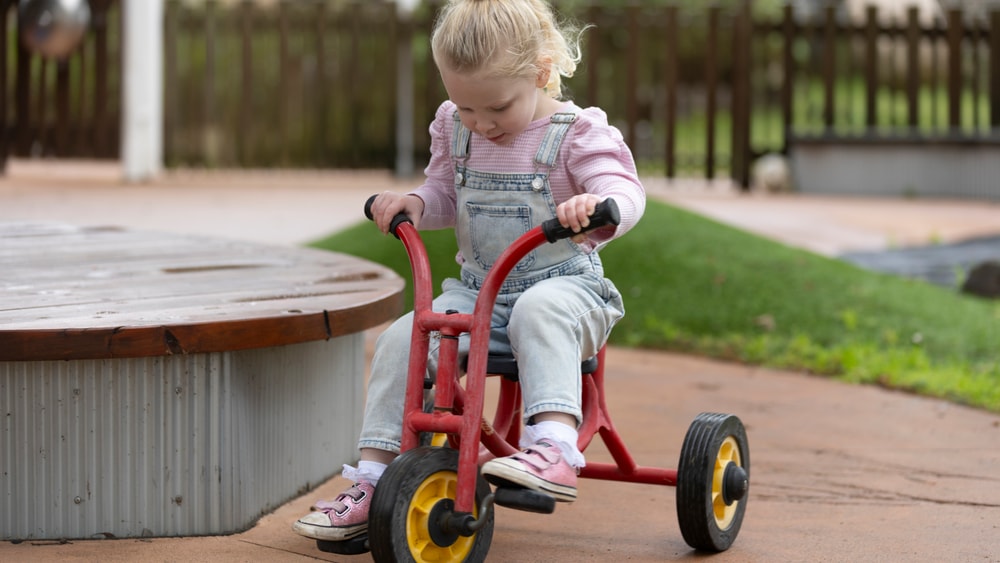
(71, 293)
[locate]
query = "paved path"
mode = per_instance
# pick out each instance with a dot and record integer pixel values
(838, 472)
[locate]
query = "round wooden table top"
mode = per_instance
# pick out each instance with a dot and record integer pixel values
(69, 293)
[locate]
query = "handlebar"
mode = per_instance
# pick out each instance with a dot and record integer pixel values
(399, 219)
(605, 213)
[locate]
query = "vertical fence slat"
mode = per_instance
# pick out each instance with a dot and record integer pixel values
(22, 97)
(912, 66)
(671, 61)
(954, 69)
(60, 141)
(353, 78)
(632, 75)
(593, 57)
(322, 156)
(284, 82)
(711, 86)
(210, 119)
(788, 80)
(103, 117)
(995, 68)
(871, 65)
(246, 96)
(976, 86)
(736, 89)
(5, 11)
(171, 107)
(741, 103)
(829, 65)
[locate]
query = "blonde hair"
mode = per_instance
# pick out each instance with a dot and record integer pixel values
(506, 38)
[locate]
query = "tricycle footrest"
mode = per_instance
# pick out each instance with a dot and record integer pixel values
(354, 546)
(525, 499)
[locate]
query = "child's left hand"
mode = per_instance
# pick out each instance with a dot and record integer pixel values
(575, 212)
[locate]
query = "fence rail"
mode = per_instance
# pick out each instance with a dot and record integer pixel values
(697, 92)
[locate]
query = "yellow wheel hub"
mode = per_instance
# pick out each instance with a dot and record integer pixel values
(729, 452)
(431, 491)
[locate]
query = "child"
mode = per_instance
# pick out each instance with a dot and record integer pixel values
(506, 154)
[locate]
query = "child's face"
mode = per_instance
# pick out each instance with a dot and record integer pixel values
(498, 108)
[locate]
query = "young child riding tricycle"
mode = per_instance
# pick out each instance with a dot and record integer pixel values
(512, 167)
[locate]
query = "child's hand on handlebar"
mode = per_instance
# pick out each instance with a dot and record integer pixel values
(389, 204)
(575, 212)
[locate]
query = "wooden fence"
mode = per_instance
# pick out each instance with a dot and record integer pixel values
(67, 107)
(697, 92)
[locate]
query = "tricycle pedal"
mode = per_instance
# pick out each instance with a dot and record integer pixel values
(354, 546)
(525, 499)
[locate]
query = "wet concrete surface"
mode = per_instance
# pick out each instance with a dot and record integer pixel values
(947, 265)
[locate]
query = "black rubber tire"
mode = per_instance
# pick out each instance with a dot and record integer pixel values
(712, 442)
(429, 473)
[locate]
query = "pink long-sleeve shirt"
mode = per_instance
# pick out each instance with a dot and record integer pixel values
(593, 159)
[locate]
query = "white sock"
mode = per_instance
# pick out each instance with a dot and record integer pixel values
(368, 471)
(560, 435)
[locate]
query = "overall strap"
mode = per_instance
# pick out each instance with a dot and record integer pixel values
(559, 124)
(460, 139)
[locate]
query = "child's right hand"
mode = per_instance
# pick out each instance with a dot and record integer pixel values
(389, 204)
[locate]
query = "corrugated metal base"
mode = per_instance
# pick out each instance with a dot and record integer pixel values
(175, 445)
(908, 169)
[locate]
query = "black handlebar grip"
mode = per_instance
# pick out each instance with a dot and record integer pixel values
(396, 221)
(605, 213)
(368, 207)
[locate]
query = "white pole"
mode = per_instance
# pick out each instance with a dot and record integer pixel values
(142, 89)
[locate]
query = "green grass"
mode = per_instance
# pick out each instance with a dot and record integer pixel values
(696, 286)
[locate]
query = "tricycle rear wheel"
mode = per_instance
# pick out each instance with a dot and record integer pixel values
(415, 490)
(712, 481)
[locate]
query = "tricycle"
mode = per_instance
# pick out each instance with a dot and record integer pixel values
(432, 504)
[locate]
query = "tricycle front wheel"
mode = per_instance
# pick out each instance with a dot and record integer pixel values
(414, 492)
(712, 481)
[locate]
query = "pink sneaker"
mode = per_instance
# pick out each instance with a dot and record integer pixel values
(541, 467)
(340, 519)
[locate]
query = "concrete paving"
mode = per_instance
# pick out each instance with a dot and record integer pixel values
(839, 472)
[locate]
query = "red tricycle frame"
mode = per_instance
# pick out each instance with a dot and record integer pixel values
(456, 521)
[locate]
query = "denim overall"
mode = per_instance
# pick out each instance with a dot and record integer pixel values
(565, 307)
